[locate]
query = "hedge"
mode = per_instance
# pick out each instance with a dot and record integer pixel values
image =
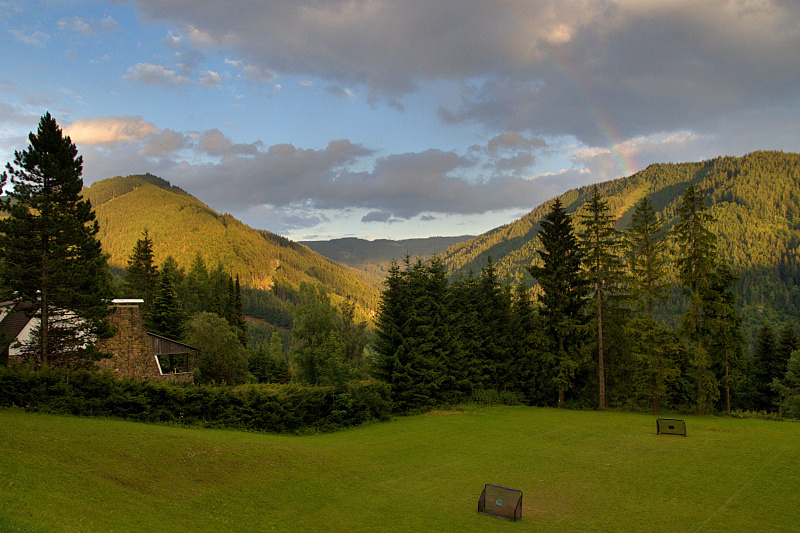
(274, 408)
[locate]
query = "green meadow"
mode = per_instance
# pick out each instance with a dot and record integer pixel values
(578, 471)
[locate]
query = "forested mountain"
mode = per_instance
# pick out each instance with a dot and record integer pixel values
(755, 200)
(375, 257)
(181, 226)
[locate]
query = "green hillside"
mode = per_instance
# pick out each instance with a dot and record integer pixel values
(755, 199)
(180, 225)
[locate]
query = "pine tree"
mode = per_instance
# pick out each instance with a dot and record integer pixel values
(766, 367)
(564, 290)
(646, 252)
(787, 343)
(696, 262)
(722, 328)
(51, 255)
(166, 316)
(141, 277)
(196, 288)
(601, 245)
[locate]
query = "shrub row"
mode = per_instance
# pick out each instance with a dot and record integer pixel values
(273, 408)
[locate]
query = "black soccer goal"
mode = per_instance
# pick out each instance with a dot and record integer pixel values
(670, 426)
(501, 502)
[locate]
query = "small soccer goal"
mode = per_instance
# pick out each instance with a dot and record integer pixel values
(670, 426)
(500, 502)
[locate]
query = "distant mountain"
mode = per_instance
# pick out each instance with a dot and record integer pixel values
(755, 199)
(182, 226)
(374, 257)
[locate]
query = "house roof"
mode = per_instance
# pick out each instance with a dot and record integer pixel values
(164, 345)
(14, 320)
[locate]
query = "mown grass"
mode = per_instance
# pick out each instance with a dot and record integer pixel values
(578, 471)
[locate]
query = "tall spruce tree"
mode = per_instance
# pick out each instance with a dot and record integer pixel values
(601, 246)
(655, 348)
(722, 328)
(765, 362)
(646, 253)
(564, 289)
(141, 275)
(166, 316)
(51, 256)
(696, 262)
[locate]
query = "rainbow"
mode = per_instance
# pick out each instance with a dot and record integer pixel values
(626, 163)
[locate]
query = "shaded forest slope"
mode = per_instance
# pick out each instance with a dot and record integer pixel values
(755, 199)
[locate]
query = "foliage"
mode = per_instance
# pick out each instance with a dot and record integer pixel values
(647, 259)
(329, 344)
(601, 247)
(223, 358)
(182, 226)
(141, 275)
(755, 200)
(274, 408)
(166, 316)
(51, 254)
(563, 292)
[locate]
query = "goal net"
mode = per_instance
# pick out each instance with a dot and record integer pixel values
(501, 502)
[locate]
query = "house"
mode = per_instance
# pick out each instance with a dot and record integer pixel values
(14, 325)
(134, 351)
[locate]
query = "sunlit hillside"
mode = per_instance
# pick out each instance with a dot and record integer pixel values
(182, 226)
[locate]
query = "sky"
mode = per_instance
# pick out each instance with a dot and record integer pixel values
(319, 119)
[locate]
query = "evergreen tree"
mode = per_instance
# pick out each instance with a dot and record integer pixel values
(466, 370)
(766, 368)
(563, 292)
(269, 364)
(601, 245)
(528, 365)
(166, 317)
(787, 343)
(389, 323)
(141, 276)
(787, 387)
(51, 256)
(278, 360)
(657, 351)
(646, 252)
(696, 261)
(353, 337)
(196, 288)
(722, 328)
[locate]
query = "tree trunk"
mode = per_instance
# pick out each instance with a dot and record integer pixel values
(45, 303)
(560, 398)
(727, 384)
(601, 372)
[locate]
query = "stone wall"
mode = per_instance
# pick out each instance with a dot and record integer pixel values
(132, 353)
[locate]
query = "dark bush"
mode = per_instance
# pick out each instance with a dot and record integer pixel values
(263, 407)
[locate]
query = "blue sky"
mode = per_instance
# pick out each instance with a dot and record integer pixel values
(397, 119)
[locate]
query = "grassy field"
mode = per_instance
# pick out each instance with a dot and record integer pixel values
(578, 471)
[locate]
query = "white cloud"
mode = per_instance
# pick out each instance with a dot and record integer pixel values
(109, 131)
(36, 38)
(155, 75)
(211, 79)
(76, 24)
(88, 27)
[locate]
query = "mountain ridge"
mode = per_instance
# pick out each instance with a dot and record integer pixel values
(755, 199)
(182, 226)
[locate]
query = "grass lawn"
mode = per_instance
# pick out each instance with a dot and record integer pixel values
(578, 471)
